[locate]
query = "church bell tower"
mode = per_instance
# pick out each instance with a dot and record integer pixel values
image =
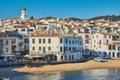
(23, 14)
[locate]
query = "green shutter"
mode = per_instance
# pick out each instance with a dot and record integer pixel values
(49, 48)
(40, 48)
(43, 40)
(33, 40)
(39, 40)
(33, 48)
(44, 50)
(49, 40)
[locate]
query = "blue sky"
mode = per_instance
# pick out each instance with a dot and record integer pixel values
(59, 8)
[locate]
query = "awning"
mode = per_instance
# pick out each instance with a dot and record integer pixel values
(27, 55)
(7, 55)
(41, 55)
(36, 55)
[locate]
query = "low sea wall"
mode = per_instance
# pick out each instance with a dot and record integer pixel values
(38, 64)
(11, 64)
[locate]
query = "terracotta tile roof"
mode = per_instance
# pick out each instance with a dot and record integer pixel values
(77, 27)
(112, 44)
(104, 33)
(115, 34)
(43, 34)
(30, 23)
(20, 26)
(40, 23)
(5, 38)
(104, 26)
(63, 21)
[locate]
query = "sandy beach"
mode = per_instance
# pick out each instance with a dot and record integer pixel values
(111, 64)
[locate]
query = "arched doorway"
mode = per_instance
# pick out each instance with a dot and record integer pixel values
(113, 55)
(118, 55)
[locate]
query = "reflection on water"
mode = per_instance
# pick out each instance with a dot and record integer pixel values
(101, 74)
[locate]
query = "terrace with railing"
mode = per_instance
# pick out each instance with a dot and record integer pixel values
(1, 44)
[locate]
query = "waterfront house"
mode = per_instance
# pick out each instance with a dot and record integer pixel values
(106, 45)
(63, 47)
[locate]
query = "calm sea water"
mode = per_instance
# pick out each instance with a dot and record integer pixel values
(101, 74)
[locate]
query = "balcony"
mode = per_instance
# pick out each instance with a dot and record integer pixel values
(1, 44)
(116, 39)
(1, 50)
(13, 42)
(14, 51)
(26, 48)
(86, 32)
(26, 41)
(20, 37)
(21, 44)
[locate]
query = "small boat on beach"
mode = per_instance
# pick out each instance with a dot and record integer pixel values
(100, 59)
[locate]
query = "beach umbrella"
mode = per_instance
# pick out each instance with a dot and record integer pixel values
(27, 56)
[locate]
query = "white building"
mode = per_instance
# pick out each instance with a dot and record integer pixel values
(64, 48)
(6, 49)
(13, 45)
(21, 29)
(85, 33)
(104, 45)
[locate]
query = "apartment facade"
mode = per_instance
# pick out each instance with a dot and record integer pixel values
(104, 45)
(13, 45)
(65, 48)
(5, 49)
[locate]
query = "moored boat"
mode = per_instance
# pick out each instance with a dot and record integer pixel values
(100, 59)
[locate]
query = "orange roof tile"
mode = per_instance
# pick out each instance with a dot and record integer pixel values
(104, 33)
(20, 26)
(112, 44)
(43, 34)
(4, 38)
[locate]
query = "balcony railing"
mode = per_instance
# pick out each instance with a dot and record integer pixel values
(26, 41)
(1, 44)
(116, 39)
(13, 42)
(86, 31)
(21, 44)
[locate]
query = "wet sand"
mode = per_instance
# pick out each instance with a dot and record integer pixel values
(111, 64)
